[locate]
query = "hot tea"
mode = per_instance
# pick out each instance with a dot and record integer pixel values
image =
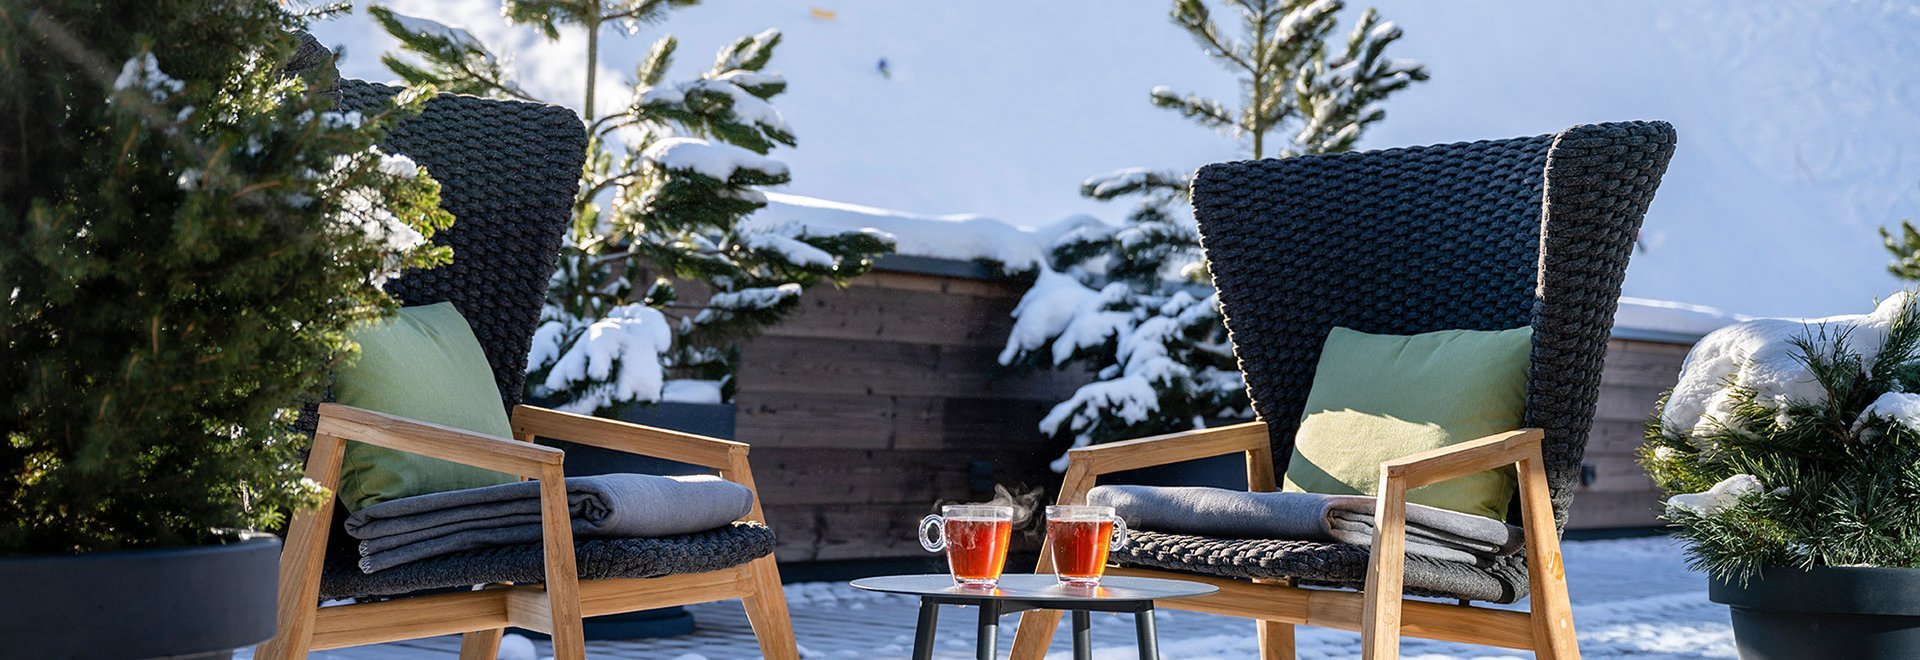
(975, 538)
(1081, 537)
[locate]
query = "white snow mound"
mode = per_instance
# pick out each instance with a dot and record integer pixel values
(1759, 354)
(960, 237)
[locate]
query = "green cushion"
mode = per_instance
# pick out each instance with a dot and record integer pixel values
(424, 364)
(1380, 397)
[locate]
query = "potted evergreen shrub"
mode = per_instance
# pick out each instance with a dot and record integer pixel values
(189, 234)
(1791, 450)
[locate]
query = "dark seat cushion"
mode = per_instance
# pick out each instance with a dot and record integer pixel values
(1318, 563)
(597, 559)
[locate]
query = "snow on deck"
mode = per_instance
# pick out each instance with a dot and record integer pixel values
(1632, 598)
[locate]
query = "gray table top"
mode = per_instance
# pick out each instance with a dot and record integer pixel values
(1039, 588)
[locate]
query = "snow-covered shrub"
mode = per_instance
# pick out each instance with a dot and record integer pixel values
(1796, 443)
(1133, 302)
(189, 237)
(669, 179)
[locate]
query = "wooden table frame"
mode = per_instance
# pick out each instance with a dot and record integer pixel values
(1379, 612)
(554, 607)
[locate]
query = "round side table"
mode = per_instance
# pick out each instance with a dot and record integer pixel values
(1019, 593)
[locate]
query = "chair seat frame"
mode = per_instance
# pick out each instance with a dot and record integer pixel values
(554, 607)
(1380, 612)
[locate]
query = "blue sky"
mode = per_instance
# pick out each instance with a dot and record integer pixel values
(1796, 119)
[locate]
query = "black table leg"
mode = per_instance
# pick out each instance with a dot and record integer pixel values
(1148, 640)
(1082, 635)
(923, 635)
(989, 630)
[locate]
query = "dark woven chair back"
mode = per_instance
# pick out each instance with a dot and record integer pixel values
(508, 172)
(1477, 235)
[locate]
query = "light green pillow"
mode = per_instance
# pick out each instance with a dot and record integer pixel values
(1380, 397)
(424, 364)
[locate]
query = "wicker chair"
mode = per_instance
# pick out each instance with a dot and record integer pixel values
(1483, 236)
(509, 172)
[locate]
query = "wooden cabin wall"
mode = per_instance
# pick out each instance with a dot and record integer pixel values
(876, 402)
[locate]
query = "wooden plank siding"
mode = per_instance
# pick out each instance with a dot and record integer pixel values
(1620, 494)
(877, 401)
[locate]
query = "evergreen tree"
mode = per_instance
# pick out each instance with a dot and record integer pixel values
(1905, 248)
(1829, 476)
(670, 179)
(190, 235)
(1143, 317)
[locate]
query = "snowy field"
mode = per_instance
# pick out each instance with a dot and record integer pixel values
(1631, 598)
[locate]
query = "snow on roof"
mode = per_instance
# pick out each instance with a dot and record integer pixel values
(1666, 316)
(960, 237)
(965, 237)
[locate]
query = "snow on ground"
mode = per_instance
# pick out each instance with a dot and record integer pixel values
(1632, 598)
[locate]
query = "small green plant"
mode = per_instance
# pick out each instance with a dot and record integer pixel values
(190, 234)
(1806, 454)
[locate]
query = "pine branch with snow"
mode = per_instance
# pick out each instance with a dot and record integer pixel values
(1131, 302)
(1796, 444)
(668, 181)
(1293, 76)
(447, 58)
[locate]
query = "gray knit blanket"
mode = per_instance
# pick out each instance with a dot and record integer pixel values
(1431, 532)
(603, 506)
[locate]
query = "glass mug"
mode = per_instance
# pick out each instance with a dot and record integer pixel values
(1081, 537)
(975, 537)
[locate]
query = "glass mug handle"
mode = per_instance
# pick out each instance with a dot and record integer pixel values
(933, 536)
(1119, 534)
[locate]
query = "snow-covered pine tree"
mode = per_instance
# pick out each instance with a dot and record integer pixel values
(190, 238)
(669, 178)
(1132, 303)
(1798, 451)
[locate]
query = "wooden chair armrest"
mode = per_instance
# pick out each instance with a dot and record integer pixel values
(1085, 464)
(532, 421)
(436, 441)
(1458, 460)
(1170, 448)
(1386, 568)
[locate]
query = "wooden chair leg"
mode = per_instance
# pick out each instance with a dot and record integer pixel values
(1035, 632)
(767, 611)
(563, 577)
(302, 558)
(1036, 629)
(1546, 574)
(1276, 640)
(481, 644)
(1386, 571)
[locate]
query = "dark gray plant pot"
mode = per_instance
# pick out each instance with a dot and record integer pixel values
(709, 419)
(198, 602)
(1829, 612)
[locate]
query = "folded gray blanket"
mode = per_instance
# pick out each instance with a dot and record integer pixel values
(609, 505)
(1431, 532)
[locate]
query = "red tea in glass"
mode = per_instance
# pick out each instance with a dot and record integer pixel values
(975, 538)
(1081, 537)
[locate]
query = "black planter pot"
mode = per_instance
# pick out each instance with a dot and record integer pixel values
(1229, 472)
(1829, 612)
(709, 419)
(198, 602)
